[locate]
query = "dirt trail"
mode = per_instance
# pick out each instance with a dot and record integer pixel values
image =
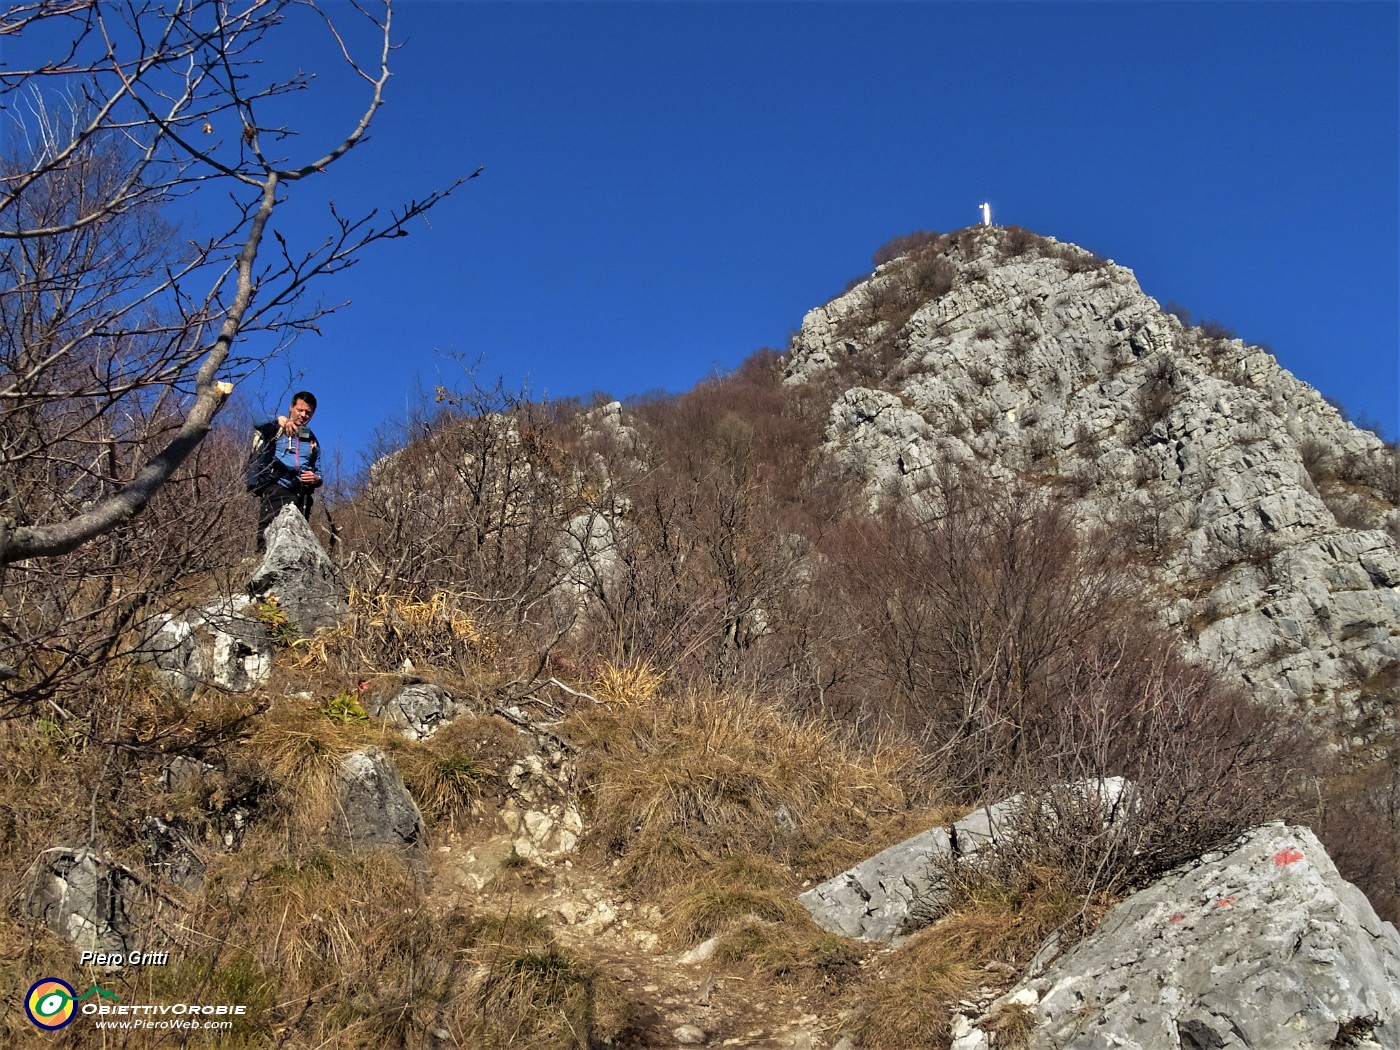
(671, 991)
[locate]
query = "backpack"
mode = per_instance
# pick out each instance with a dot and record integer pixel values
(261, 467)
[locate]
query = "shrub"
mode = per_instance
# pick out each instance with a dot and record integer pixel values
(1205, 764)
(966, 620)
(1319, 460)
(981, 374)
(1023, 340)
(916, 271)
(918, 279)
(1172, 308)
(1020, 653)
(67, 618)
(904, 244)
(472, 489)
(1016, 241)
(1216, 330)
(717, 509)
(1155, 399)
(1359, 813)
(1073, 258)
(279, 626)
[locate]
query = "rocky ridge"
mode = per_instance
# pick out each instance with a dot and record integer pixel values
(1268, 520)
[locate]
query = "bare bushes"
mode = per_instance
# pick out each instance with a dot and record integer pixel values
(1359, 488)
(1020, 656)
(968, 622)
(1202, 765)
(911, 282)
(466, 501)
(904, 244)
(711, 528)
(671, 539)
(1359, 823)
(1016, 241)
(914, 269)
(1155, 398)
(921, 267)
(68, 616)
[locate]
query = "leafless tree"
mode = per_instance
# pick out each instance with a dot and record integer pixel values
(471, 495)
(119, 339)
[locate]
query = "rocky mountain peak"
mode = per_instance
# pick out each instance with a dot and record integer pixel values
(1266, 520)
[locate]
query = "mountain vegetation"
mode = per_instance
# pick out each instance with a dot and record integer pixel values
(992, 523)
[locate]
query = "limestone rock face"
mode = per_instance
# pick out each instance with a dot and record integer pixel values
(541, 807)
(903, 887)
(241, 656)
(375, 810)
(173, 655)
(1260, 945)
(219, 643)
(85, 899)
(419, 709)
(1267, 519)
(214, 644)
(297, 570)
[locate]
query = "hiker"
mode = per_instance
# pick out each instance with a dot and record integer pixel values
(283, 463)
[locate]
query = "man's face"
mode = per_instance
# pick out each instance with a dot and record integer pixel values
(300, 413)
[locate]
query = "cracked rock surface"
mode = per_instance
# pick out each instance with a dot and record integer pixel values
(1269, 521)
(1261, 945)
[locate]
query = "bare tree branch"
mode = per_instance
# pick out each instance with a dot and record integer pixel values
(118, 342)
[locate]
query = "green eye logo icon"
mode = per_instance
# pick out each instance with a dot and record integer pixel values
(49, 1003)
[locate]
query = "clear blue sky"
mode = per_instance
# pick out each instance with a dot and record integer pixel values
(671, 186)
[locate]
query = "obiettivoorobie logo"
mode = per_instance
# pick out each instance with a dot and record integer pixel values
(49, 1003)
(52, 1003)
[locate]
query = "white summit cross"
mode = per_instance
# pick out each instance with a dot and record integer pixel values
(986, 214)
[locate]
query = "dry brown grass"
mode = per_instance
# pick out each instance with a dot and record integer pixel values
(46, 762)
(324, 949)
(1011, 1026)
(994, 928)
(692, 780)
(795, 957)
(299, 748)
(543, 996)
(27, 953)
(736, 891)
(627, 682)
(334, 950)
(382, 630)
(459, 773)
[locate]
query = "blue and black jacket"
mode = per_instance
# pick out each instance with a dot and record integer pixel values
(278, 459)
